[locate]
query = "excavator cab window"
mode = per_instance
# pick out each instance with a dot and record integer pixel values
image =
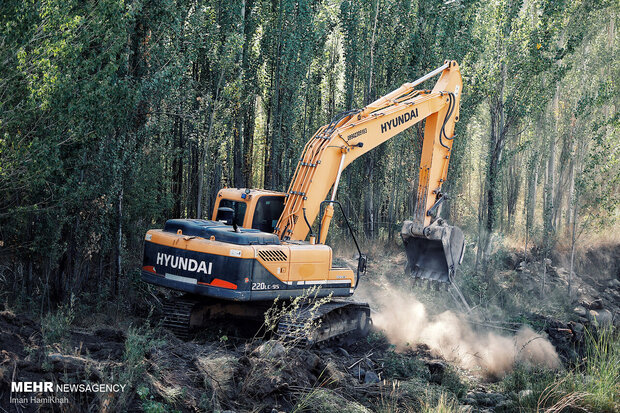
(267, 213)
(238, 207)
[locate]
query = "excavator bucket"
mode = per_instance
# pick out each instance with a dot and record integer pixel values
(436, 253)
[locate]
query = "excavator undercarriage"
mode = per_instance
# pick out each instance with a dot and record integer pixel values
(306, 324)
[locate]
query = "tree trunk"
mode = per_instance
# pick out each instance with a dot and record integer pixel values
(272, 174)
(119, 241)
(369, 217)
(206, 148)
(239, 158)
(369, 94)
(572, 248)
(496, 147)
(548, 209)
(177, 168)
(248, 142)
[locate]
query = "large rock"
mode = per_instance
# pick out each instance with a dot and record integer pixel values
(334, 374)
(344, 352)
(311, 360)
(578, 330)
(358, 372)
(596, 304)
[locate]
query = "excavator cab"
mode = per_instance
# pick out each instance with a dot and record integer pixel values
(249, 208)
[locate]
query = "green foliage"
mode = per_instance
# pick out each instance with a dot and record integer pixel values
(598, 380)
(591, 386)
(139, 342)
(403, 366)
(526, 384)
(55, 325)
(453, 382)
(149, 404)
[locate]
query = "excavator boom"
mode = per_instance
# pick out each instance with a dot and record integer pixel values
(434, 249)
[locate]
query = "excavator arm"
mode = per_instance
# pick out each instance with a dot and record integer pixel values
(354, 133)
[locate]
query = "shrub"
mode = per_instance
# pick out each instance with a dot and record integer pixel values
(138, 343)
(592, 386)
(402, 366)
(55, 326)
(452, 381)
(597, 381)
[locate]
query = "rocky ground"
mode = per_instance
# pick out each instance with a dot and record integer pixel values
(217, 371)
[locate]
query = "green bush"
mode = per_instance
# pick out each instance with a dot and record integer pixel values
(402, 366)
(138, 343)
(523, 378)
(149, 404)
(55, 326)
(592, 386)
(452, 381)
(598, 379)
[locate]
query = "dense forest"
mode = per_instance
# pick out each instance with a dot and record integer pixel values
(117, 115)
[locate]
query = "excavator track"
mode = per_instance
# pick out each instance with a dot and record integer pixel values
(308, 325)
(177, 316)
(339, 318)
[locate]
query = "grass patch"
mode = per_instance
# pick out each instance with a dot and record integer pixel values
(453, 382)
(592, 386)
(55, 326)
(322, 400)
(139, 342)
(401, 366)
(444, 404)
(597, 380)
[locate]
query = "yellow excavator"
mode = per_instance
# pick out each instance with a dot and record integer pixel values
(259, 244)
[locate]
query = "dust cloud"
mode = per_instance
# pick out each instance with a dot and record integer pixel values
(406, 322)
